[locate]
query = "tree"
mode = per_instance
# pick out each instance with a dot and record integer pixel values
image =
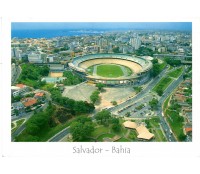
(128, 114)
(154, 61)
(39, 121)
(137, 89)
(16, 99)
(185, 76)
(63, 114)
(159, 92)
(44, 71)
(115, 120)
(81, 128)
(114, 103)
(56, 50)
(116, 50)
(28, 138)
(81, 107)
(16, 112)
(144, 51)
(32, 128)
(94, 97)
(103, 117)
(116, 126)
(153, 103)
(173, 62)
(71, 79)
(13, 60)
(155, 70)
(100, 86)
(182, 137)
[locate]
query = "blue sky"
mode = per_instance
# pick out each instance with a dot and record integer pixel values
(102, 25)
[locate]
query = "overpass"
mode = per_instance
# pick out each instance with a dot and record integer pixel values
(172, 55)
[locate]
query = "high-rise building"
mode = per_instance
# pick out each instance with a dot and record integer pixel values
(137, 43)
(16, 53)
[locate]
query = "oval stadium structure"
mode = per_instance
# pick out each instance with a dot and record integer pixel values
(112, 69)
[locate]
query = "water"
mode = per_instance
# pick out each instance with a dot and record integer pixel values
(45, 33)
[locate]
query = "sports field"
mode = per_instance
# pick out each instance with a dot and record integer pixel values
(111, 71)
(56, 74)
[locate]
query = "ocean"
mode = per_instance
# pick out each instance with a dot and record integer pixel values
(45, 33)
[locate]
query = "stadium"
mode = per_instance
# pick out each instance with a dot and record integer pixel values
(112, 69)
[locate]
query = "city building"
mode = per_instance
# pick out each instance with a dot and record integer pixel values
(35, 58)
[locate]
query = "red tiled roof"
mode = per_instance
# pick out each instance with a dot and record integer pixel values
(21, 85)
(39, 94)
(188, 129)
(29, 101)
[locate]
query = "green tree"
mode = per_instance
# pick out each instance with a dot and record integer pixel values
(116, 50)
(13, 60)
(44, 71)
(116, 127)
(153, 103)
(16, 99)
(154, 61)
(114, 103)
(128, 114)
(81, 128)
(182, 137)
(100, 86)
(159, 92)
(94, 97)
(32, 128)
(103, 117)
(71, 78)
(56, 50)
(137, 89)
(28, 138)
(16, 112)
(173, 62)
(115, 120)
(39, 121)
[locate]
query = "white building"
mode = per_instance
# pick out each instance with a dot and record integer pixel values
(35, 58)
(135, 42)
(50, 58)
(16, 53)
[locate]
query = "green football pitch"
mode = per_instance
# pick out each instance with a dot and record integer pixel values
(111, 71)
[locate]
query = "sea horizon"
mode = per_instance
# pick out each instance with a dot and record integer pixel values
(52, 33)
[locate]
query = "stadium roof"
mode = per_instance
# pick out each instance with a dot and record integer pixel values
(144, 133)
(130, 124)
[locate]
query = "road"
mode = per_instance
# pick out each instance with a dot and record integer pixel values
(59, 136)
(131, 107)
(144, 92)
(164, 123)
(141, 95)
(64, 132)
(26, 116)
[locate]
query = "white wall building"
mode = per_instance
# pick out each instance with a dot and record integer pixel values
(35, 58)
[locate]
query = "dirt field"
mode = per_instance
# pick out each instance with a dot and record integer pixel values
(56, 74)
